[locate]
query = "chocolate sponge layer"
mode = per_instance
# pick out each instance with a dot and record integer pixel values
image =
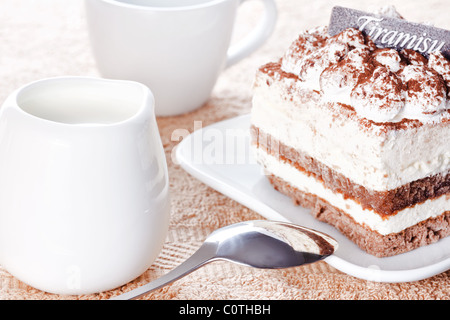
(421, 234)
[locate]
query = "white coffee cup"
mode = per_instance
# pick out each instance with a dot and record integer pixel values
(176, 47)
(84, 192)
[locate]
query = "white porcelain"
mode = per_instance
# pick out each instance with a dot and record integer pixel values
(176, 47)
(219, 155)
(84, 200)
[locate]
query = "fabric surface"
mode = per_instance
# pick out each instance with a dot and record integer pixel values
(45, 38)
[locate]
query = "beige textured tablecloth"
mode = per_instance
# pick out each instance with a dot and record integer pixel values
(44, 38)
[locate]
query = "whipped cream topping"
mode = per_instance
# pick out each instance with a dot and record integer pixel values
(381, 84)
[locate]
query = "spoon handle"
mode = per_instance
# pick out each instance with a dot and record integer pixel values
(200, 257)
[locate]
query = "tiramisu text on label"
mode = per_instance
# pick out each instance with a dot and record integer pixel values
(395, 38)
(389, 31)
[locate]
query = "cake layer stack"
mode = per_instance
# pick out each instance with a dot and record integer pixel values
(359, 134)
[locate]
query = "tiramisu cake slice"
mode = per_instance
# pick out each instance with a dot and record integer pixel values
(360, 135)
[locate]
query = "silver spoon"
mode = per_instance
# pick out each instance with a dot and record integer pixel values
(258, 243)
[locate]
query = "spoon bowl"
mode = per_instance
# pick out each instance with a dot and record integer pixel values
(270, 245)
(260, 244)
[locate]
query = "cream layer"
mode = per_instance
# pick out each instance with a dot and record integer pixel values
(377, 158)
(391, 224)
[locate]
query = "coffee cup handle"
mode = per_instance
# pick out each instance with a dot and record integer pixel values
(256, 37)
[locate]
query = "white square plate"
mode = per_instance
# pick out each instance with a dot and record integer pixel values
(219, 155)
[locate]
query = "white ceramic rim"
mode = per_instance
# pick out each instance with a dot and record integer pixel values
(207, 3)
(147, 98)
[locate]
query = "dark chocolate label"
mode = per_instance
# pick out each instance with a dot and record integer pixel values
(389, 32)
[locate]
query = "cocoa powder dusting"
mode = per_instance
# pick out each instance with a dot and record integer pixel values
(351, 60)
